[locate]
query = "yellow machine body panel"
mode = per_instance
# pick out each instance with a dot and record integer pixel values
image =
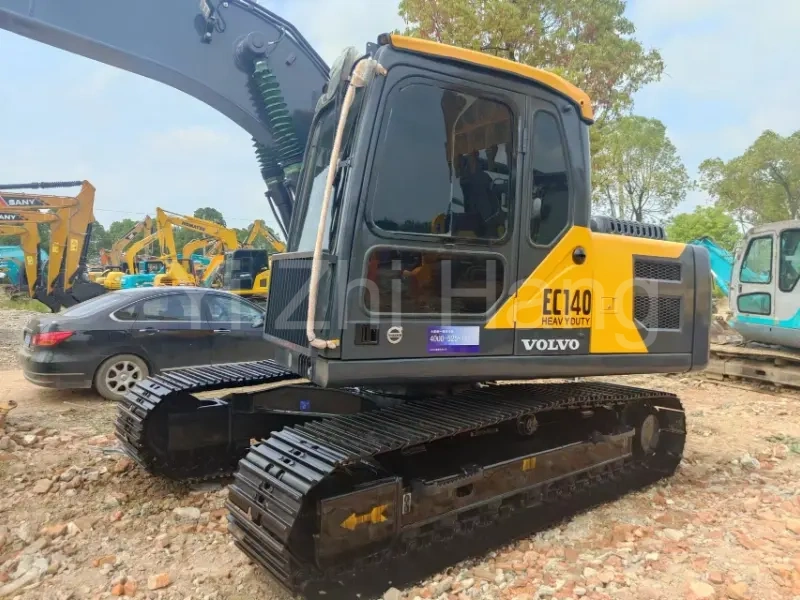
(595, 295)
(176, 274)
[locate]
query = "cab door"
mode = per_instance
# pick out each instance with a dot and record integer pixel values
(438, 252)
(753, 286)
(554, 298)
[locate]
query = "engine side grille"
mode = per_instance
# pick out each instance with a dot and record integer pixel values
(651, 269)
(602, 224)
(287, 306)
(657, 312)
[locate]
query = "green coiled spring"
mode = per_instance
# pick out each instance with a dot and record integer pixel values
(288, 149)
(270, 170)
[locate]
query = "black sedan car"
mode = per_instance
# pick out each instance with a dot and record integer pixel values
(110, 342)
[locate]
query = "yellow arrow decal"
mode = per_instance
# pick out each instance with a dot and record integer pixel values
(373, 516)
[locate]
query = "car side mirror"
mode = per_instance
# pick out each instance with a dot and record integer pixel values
(258, 322)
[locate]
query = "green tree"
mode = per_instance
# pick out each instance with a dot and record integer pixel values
(210, 214)
(638, 173)
(117, 229)
(591, 44)
(760, 186)
(710, 221)
(106, 238)
(100, 238)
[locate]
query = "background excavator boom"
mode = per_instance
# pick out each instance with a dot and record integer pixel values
(259, 228)
(207, 49)
(143, 226)
(167, 220)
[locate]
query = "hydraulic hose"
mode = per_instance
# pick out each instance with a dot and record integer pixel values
(362, 74)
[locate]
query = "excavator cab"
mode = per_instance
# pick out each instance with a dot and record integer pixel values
(764, 296)
(453, 239)
(245, 272)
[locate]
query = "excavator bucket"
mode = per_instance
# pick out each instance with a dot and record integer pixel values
(86, 290)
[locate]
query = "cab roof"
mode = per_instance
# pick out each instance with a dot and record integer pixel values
(540, 76)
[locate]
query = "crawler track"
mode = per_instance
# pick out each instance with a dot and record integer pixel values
(762, 364)
(332, 504)
(143, 419)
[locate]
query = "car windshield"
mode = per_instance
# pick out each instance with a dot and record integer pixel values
(90, 307)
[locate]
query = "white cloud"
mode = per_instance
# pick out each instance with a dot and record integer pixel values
(336, 24)
(194, 139)
(729, 77)
(734, 57)
(729, 73)
(648, 14)
(96, 82)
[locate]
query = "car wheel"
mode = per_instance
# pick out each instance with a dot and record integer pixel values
(118, 374)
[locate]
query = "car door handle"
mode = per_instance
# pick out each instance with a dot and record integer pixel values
(149, 330)
(222, 331)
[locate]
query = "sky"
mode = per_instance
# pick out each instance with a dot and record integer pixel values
(729, 76)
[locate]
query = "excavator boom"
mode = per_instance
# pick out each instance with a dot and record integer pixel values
(202, 226)
(207, 49)
(145, 225)
(259, 228)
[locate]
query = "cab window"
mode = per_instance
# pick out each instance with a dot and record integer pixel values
(789, 271)
(757, 263)
(755, 304)
(550, 182)
(415, 282)
(443, 165)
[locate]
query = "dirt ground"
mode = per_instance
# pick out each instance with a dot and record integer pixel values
(79, 521)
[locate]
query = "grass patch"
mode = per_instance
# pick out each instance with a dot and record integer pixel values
(22, 304)
(791, 441)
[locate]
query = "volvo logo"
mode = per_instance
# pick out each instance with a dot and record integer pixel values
(394, 334)
(553, 345)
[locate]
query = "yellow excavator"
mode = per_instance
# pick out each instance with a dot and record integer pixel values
(207, 245)
(246, 270)
(138, 272)
(393, 426)
(66, 281)
(114, 260)
(182, 271)
(115, 255)
(29, 241)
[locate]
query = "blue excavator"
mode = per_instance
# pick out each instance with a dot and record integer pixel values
(759, 339)
(441, 254)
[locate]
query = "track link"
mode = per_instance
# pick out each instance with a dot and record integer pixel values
(323, 504)
(755, 363)
(143, 418)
